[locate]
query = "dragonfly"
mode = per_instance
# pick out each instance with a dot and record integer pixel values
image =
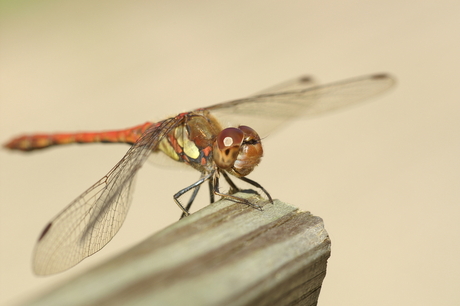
(196, 138)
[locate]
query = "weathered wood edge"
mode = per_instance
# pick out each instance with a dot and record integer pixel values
(224, 254)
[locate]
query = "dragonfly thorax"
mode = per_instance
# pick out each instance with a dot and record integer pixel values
(201, 142)
(191, 142)
(237, 150)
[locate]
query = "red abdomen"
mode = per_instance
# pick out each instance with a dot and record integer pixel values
(41, 141)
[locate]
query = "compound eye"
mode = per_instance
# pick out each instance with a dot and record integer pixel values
(249, 133)
(251, 152)
(227, 147)
(229, 137)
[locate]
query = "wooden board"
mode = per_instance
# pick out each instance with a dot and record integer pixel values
(224, 254)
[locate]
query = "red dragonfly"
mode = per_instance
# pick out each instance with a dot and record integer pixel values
(195, 138)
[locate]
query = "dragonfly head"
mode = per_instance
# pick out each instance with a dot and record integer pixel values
(238, 150)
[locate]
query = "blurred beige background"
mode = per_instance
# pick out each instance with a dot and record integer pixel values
(385, 176)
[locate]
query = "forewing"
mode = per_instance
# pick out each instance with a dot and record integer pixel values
(266, 112)
(300, 83)
(90, 221)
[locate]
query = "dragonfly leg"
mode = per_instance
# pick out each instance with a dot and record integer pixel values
(232, 197)
(253, 183)
(187, 189)
(195, 192)
(211, 191)
(190, 201)
(233, 187)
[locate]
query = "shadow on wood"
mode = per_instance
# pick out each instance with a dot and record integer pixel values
(224, 254)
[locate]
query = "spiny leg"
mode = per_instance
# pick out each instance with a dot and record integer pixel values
(232, 197)
(211, 191)
(190, 201)
(187, 189)
(253, 183)
(233, 187)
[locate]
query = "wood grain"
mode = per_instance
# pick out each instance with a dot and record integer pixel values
(224, 254)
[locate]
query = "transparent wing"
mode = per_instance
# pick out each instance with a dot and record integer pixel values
(267, 111)
(299, 83)
(91, 220)
(303, 82)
